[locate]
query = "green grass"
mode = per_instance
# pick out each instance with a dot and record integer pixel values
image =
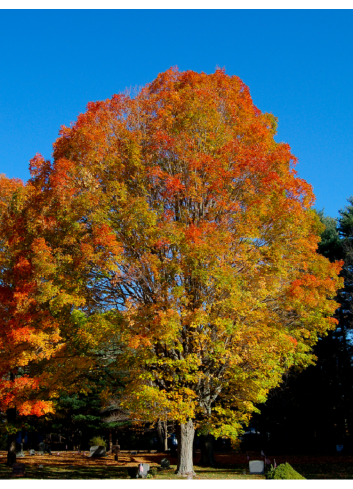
(47, 472)
(233, 472)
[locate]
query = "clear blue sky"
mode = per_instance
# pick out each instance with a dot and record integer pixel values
(298, 65)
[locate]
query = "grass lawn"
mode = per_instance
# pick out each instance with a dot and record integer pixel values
(48, 472)
(341, 470)
(71, 465)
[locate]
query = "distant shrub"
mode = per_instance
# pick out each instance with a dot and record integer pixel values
(98, 441)
(283, 471)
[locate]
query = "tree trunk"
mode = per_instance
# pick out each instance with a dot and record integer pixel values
(110, 441)
(207, 452)
(185, 437)
(162, 434)
(11, 450)
(11, 439)
(165, 436)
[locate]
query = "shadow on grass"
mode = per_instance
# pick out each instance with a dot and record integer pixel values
(325, 471)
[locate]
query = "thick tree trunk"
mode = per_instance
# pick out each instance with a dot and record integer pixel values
(11, 450)
(162, 434)
(185, 437)
(207, 452)
(11, 439)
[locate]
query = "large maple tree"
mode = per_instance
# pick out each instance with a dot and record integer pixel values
(179, 229)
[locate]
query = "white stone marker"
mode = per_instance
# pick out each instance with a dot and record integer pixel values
(256, 467)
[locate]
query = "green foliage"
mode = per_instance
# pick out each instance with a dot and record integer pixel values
(330, 245)
(283, 471)
(78, 417)
(98, 441)
(115, 425)
(153, 471)
(346, 220)
(3, 440)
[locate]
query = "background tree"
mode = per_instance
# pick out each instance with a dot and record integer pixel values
(27, 336)
(47, 347)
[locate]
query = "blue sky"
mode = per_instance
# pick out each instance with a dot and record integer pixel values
(297, 63)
